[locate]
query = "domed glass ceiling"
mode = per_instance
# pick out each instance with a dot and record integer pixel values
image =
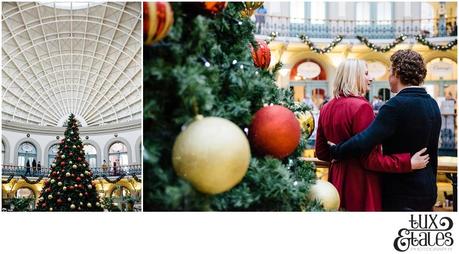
(71, 59)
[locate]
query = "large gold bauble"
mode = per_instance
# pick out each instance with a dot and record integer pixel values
(326, 193)
(250, 8)
(307, 124)
(213, 154)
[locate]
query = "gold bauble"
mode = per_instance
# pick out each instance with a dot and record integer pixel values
(250, 7)
(212, 153)
(326, 193)
(306, 120)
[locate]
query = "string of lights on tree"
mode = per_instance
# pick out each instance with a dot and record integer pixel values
(382, 49)
(327, 49)
(422, 39)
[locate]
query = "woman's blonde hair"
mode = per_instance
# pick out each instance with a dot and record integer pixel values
(350, 79)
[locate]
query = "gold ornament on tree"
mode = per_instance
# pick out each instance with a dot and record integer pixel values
(306, 120)
(212, 153)
(249, 8)
(326, 193)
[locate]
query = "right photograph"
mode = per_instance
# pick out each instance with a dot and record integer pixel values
(300, 106)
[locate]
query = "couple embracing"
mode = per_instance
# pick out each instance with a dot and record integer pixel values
(389, 162)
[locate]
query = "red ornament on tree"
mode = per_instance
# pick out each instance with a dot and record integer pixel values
(157, 21)
(70, 153)
(63, 163)
(78, 179)
(214, 7)
(274, 131)
(262, 55)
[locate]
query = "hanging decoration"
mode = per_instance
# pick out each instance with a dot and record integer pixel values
(214, 7)
(219, 152)
(157, 21)
(8, 180)
(30, 181)
(327, 49)
(271, 38)
(262, 55)
(384, 49)
(422, 39)
(250, 8)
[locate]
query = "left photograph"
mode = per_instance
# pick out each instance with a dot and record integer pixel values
(71, 106)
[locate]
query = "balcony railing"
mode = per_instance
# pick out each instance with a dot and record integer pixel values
(13, 170)
(373, 29)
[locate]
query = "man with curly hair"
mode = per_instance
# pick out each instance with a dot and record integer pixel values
(408, 122)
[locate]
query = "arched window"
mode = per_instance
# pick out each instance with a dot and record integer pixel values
(25, 193)
(26, 152)
(362, 13)
(52, 151)
(3, 152)
(118, 153)
(90, 154)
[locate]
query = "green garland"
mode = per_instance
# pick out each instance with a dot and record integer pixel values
(327, 49)
(384, 49)
(8, 180)
(272, 37)
(31, 182)
(422, 39)
(137, 179)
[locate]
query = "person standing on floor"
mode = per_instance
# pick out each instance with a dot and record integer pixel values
(407, 122)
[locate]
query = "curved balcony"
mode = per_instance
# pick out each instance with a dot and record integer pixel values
(132, 170)
(372, 29)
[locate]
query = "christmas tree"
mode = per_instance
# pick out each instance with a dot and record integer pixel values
(69, 186)
(204, 67)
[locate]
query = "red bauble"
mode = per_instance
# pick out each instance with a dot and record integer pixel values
(79, 158)
(274, 131)
(71, 187)
(80, 186)
(43, 205)
(262, 56)
(157, 21)
(59, 201)
(78, 179)
(63, 163)
(214, 7)
(66, 146)
(70, 153)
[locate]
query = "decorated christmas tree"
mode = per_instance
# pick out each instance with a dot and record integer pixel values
(219, 133)
(69, 186)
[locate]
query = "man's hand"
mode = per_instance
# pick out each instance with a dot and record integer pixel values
(419, 161)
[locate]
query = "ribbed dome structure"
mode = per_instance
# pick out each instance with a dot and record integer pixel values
(62, 58)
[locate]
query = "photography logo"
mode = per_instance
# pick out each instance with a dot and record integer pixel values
(427, 232)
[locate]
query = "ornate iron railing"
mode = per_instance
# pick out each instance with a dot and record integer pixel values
(14, 170)
(373, 29)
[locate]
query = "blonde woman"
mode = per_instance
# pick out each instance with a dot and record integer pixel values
(347, 114)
